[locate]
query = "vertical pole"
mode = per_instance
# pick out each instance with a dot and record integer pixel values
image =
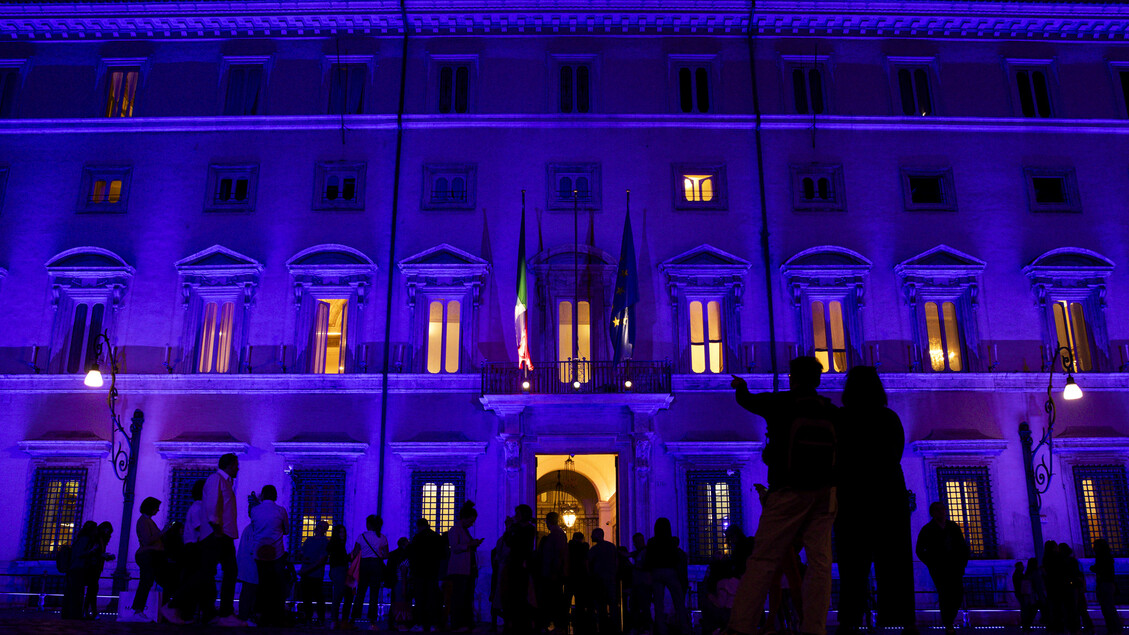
(1033, 503)
(121, 575)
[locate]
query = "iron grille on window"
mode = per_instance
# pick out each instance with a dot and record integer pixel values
(967, 493)
(317, 495)
(56, 510)
(980, 592)
(714, 499)
(437, 496)
(180, 490)
(1103, 507)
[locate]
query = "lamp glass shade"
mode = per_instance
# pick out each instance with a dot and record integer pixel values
(569, 518)
(93, 378)
(1072, 391)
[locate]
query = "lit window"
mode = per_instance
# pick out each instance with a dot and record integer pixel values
(829, 341)
(436, 497)
(215, 337)
(85, 328)
(104, 189)
(715, 503)
(1103, 507)
(1072, 332)
(454, 89)
(575, 339)
(705, 337)
(966, 493)
(316, 495)
(943, 330)
(913, 88)
(694, 89)
(328, 345)
(347, 89)
(697, 188)
(443, 336)
(575, 95)
(55, 510)
(121, 88)
(244, 85)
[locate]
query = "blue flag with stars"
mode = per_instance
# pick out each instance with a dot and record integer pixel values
(626, 296)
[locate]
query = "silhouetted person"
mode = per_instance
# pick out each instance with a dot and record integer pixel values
(150, 559)
(1024, 594)
(83, 554)
(462, 568)
(183, 606)
(90, 605)
(942, 548)
(248, 573)
(315, 554)
(374, 551)
(663, 563)
(1053, 617)
(1073, 596)
(576, 586)
(498, 557)
(640, 585)
(740, 546)
(218, 547)
(424, 555)
(800, 505)
(339, 560)
(270, 525)
(873, 524)
(1106, 588)
(716, 593)
(517, 570)
(552, 552)
(399, 581)
(602, 565)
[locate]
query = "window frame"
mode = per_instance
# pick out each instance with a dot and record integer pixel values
(332, 477)
(556, 171)
(434, 171)
(106, 66)
(694, 546)
(108, 173)
(418, 478)
(948, 189)
(18, 68)
(1121, 502)
(557, 62)
(226, 65)
(943, 274)
(833, 172)
(181, 478)
(705, 298)
(217, 172)
(808, 280)
(1119, 73)
(1047, 67)
(1073, 275)
(329, 61)
(988, 523)
(325, 169)
(819, 63)
(105, 281)
(436, 65)
(1073, 202)
(720, 202)
(709, 63)
(896, 64)
(314, 281)
(33, 538)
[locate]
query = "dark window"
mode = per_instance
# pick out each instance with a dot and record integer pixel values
(1124, 90)
(8, 79)
(967, 493)
(317, 495)
(913, 86)
(807, 90)
(437, 497)
(244, 84)
(1034, 93)
(180, 490)
(575, 91)
(232, 190)
(694, 89)
(980, 592)
(714, 498)
(927, 190)
(347, 89)
(1103, 507)
(85, 328)
(1049, 189)
(454, 88)
(55, 516)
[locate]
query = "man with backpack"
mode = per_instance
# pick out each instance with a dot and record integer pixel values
(801, 505)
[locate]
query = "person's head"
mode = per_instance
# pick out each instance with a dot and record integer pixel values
(1101, 549)
(1019, 567)
(508, 522)
(150, 506)
(230, 463)
(523, 512)
(374, 523)
(1065, 550)
(639, 540)
(89, 529)
(468, 514)
(863, 389)
(938, 511)
(578, 536)
(321, 528)
(268, 493)
(402, 543)
(338, 533)
(734, 535)
(105, 529)
(597, 535)
(662, 528)
(198, 489)
(422, 525)
(803, 374)
(551, 519)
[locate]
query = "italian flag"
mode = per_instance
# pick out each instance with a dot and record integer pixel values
(521, 320)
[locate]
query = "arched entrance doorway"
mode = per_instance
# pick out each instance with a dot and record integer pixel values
(581, 489)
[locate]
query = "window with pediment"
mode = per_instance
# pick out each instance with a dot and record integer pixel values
(941, 287)
(88, 285)
(706, 286)
(827, 286)
(573, 289)
(331, 284)
(1070, 287)
(444, 286)
(218, 286)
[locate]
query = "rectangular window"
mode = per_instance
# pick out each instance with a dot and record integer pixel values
(1121, 72)
(829, 340)
(573, 184)
(454, 88)
(574, 339)
(104, 189)
(9, 79)
(699, 187)
(928, 190)
(914, 91)
(121, 89)
(1052, 190)
(942, 326)
(347, 89)
(966, 492)
(575, 88)
(1033, 91)
(714, 501)
(316, 495)
(244, 89)
(807, 90)
(443, 323)
(55, 510)
(215, 343)
(693, 87)
(232, 188)
(327, 341)
(449, 186)
(180, 490)
(1103, 507)
(1073, 332)
(437, 497)
(82, 343)
(339, 185)
(705, 337)
(817, 188)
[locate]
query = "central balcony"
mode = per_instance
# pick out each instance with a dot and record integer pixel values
(577, 377)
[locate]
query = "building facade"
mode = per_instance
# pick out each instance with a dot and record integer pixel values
(297, 226)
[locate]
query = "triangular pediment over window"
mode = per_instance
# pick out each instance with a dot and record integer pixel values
(940, 260)
(219, 260)
(704, 258)
(444, 261)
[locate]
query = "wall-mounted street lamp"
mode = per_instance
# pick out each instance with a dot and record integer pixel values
(125, 447)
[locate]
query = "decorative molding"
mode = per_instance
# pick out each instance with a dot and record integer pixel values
(331, 264)
(436, 454)
(182, 450)
(1068, 267)
(948, 448)
(444, 264)
(66, 448)
(727, 454)
(1071, 446)
(320, 452)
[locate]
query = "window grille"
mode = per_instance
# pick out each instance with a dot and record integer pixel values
(980, 592)
(180, 490)
(316, 495)
(967, 493)
(437, 496)
(714, 499)
(1103, 507)
(56, 510)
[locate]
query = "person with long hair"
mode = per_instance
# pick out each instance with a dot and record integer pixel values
(150, 559)
(873, 525)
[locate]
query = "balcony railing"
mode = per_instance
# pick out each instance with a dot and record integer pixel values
(576, 377)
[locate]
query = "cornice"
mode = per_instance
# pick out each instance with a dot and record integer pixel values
(963, 447)
(70, 448)
(199, 449)
(786, 18)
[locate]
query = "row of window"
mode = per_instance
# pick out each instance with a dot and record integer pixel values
(913, 85)
(713, 501)
(340, 185)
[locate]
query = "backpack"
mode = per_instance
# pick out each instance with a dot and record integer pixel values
(63, 558)
(810, 457)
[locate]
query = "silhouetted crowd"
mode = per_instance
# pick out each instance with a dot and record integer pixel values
(829, 469)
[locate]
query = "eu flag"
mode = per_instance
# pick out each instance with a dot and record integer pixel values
(626, 295)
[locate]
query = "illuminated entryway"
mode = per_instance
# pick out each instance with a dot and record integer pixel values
(581, 488)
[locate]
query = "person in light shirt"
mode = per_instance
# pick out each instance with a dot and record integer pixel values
(218, 547)
(374, 552)
(269, 525)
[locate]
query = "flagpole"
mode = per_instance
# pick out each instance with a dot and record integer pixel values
(575, 326)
